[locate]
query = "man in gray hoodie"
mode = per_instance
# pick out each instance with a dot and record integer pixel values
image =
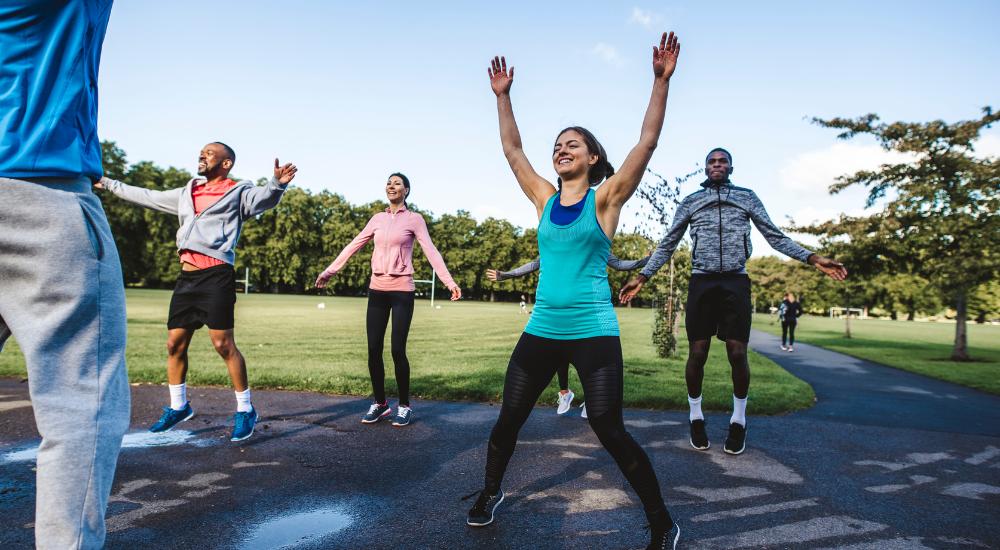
(211, 210)
(718, 304)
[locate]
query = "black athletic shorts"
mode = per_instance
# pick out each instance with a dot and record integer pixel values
(718, 305)
(204, 297)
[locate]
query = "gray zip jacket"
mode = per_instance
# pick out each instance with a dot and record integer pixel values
(719, 216)
(216, 230)
(614, 262)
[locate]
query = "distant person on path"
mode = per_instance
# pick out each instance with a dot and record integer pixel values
(574, 319)
(565, 400)
(391, 290)
(62, 295)
(718, 304)
(211, 210)
(524, 304)
(789, 312)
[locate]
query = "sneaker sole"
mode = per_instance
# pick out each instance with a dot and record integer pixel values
(380, 417)
(743, 448)
(244, 438)
(697, 448)
(492, 513)
(398, 425)
(189, 417)
(677, 537)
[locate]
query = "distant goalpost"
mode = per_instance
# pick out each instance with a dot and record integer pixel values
(839, 312)
(431, 281)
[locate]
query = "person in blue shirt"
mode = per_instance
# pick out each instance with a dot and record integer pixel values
(62, 295)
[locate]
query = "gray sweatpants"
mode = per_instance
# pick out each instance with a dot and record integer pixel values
(61, 295)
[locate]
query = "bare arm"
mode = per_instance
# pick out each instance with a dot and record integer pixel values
(537, 188)
(619, 188)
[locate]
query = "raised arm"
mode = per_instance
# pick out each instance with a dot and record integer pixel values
(163, 201)
(612, 195)
(351, 249)
(784, 244)
(261, 198)
(537, 188)
(435, 259)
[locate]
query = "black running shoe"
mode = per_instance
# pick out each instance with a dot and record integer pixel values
(481, 513)
(736, 441)
(699, 439)
(664, 540)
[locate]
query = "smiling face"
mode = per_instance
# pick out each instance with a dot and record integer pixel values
(214, 160)
(395, 190)
(718, 167)
(571, 157)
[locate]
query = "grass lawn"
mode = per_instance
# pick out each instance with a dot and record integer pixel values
(918, 347)
(458, 352)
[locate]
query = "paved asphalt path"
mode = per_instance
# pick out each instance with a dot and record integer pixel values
(885, 459)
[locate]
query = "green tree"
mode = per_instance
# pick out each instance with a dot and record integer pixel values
(939, 219)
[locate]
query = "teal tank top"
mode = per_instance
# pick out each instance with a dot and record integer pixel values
(573, 299)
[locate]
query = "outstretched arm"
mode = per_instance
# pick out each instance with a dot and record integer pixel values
(435, 259)
(265, 197)
(537, 188)
(164, 201)
(351, 249)
(661, 255)
(784, 244)
(521, 271)
(612, 195)
(618, 264)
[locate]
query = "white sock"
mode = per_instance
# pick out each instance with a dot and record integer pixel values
(243, 401)
(695, 413)
(178, 396)
(739, 411)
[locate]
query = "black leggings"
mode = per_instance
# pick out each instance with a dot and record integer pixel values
(788, 330)
(563, 372)
(598, 361)
(380, 303)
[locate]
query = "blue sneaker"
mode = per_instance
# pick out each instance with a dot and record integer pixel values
(376, 412)
(404, 415)
(243, 423)
(172, 418)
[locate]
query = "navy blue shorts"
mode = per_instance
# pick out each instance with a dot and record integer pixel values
(204, 297)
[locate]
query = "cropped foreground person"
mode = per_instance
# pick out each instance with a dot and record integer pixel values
(565, 401)
(211, 210)
(718, 303)
(61, 290)
(391, 291)
(574, 320)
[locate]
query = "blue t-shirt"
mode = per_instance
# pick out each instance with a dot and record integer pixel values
(49, 55)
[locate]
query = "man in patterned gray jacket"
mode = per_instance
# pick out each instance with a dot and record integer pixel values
(719, 215)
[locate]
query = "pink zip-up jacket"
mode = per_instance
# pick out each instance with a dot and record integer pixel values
(392, 260)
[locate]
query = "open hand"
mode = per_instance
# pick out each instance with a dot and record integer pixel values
(833, 269)
(629, 291)
(500, 79)
(491, 274)
(456, 294)
(285, 173)
(665, 56)
(323, 279)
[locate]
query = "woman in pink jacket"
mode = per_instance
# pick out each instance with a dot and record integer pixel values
(391, 289)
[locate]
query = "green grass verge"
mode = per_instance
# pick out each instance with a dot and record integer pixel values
(458, 352)
(917, 347)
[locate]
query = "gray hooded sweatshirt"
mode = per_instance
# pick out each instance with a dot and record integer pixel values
(216, 230)
(719, 216)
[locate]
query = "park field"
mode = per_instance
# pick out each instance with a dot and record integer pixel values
(457, 352)
(917, 347)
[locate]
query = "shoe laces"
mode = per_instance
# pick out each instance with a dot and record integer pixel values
(374, 407)
(484, 498)
(403, 411)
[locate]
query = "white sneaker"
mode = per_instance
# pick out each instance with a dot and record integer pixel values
(784, 347)
(565, 402)
(583, 411)
(790, 348)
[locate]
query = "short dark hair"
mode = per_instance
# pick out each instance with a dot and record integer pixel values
(603, 169)
(406, 182)
(229, 150)
(727, 153)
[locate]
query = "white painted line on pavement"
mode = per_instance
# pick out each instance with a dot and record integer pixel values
(899, 543)
(562, 443)
(11, 405)
(723, 494)
(790, 533)
(757, 510)
(643, 423)
(988, 454)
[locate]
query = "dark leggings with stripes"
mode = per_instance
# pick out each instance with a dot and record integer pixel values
(598, 362)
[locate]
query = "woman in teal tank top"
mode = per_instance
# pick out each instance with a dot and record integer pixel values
(574, 320)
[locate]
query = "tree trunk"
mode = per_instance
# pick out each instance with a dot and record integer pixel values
(893, 315)
(492, 298)
(910, 315)
(961, 352)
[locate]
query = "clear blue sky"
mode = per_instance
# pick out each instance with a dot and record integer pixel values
(351, 91)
